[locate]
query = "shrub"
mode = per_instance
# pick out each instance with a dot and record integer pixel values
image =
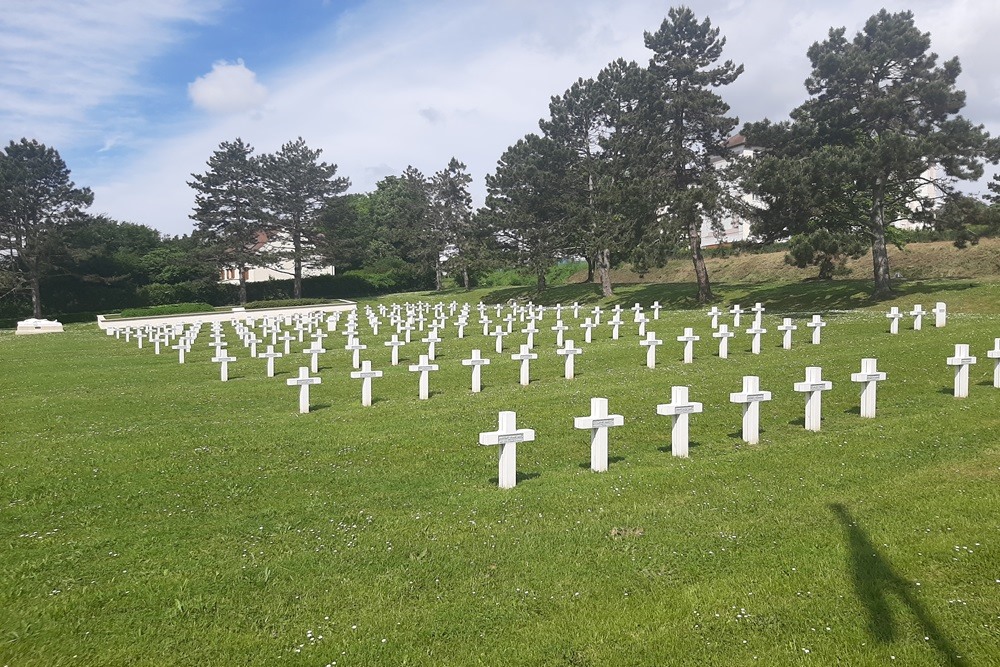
(284, 303)
(169, 309)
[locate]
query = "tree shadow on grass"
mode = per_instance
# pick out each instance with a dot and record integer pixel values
(947, 391)
(875, 579)
(985, 383)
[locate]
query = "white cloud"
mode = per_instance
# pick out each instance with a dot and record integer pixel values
(228, 88)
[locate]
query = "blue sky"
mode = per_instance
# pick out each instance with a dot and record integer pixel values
(137, 94)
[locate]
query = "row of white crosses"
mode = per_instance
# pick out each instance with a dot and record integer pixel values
(940, 312)
(679, 409)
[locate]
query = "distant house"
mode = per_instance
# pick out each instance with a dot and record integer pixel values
(269, 245)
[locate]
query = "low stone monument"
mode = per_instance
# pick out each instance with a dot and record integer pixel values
(38, 326)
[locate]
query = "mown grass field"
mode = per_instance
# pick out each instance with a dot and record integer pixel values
(150, 514)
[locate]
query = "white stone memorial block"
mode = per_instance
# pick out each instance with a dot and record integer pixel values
(940, 311)
(714, 314)
(813, 388)
(961, 361)
(751, 397)
(918, 316)
(304, 382)
(736, 311)
(816, 324)
(314, 351)
(869, 377)
(570, 352)
(524, 356)
(598, 422)
(34, 325)
(424, 366)
(689, 340)
(723, 334)
(894, 316)
(995, 355)
(786, 328)
(395, 344)
(756, 331)
(679, 408)
(270, 355)
(507, 436)
(223, 362)
(477, 363)
(365, 375)
(650, 343)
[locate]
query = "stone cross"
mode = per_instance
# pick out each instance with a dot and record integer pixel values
(597, 315)
(650, 343)
(576, 310)
(643, 321)
(460, 323)
(869, 377)
(723, 334)
(270, 355)
(507, 436)
(477, 363)
(961, 361)
(559, 328)
(736, 312)
(568, 351)
(714, 314)
(588, 327)
(813, 388)
(816, 324)
(615, 323)
(314, 351)
(786, 327)
(940, 311)
(406, 327)
(894, 316)
(656, 310)
(751, 398)
(423, 367)
(679, 408)
(286, 338)
(525, 357)
(365, 375)
(689, 340)
(918, 316)
(756, 330)
(499, 334)
(431, 340)
(758, 314)
(355, 346)
(995, 354)
(303, 381)
(182, 346)
(395, 344)
(531, 330)
(598, 421)
(224, 368)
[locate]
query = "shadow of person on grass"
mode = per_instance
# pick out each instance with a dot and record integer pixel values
(875, 579)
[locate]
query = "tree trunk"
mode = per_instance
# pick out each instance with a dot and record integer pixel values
(604, 271)
(465, 278)
(880, 256)
(36, 297)
(540, 283)
(243, 286)
(297, 263)
(437, 273)
(701, 273)
(590, 268)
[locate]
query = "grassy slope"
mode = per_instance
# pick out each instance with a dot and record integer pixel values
(150, 514)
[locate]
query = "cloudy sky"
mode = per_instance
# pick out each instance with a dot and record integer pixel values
(136, 95)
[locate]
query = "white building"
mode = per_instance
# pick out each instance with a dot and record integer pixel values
(282, 270)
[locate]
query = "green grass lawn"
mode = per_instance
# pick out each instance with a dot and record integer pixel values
(150, 514)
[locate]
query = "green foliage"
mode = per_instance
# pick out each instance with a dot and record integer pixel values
(824, 249)
(282, 303)
(169, 309)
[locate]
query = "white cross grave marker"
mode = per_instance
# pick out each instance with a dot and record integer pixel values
(598, 421)
(477, 363)
(995, 354)
(507, 436)
(499, 334)
(940, 311)
(355, 346)
(423, 367)
(714, 314)
(588, 327)
(531, 330)
(736, 312)
(961, 361)
(918, 316)
(314, 351)
(650, 343)
(894, 316)
(751, 398)
(303, 381)
(525, 357)
(756, 330)
(870, 377)
(813, 387)
(786, 327)
(559, 328)
(758, 314)
(224, 368)
(689, 340)
(568, 351)
(723, 334)
(270, 355)
(395, 344)
(365, 375)
(431, 341)
(679, 408)
(816, 324)
(615, 323)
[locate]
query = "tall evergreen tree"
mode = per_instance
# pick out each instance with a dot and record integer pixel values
(38, 202)
(229, 210)
(686, 125)
(450, 229)
(297, 188)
